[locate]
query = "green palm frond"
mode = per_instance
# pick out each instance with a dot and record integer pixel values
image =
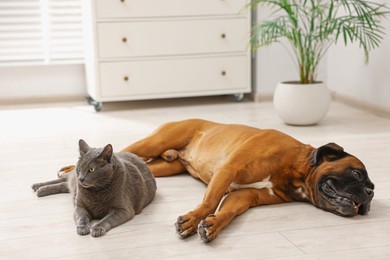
(312, 26)
(268, 32)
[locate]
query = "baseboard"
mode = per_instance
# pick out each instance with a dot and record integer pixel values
(371, 108)
(37, 100)
(262, 97)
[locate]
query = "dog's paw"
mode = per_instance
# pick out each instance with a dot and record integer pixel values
(207, 230)
(98, 231)
(83, 230)
(185, 226)
(64, 171)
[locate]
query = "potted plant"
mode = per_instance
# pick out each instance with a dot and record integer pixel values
(310, 27)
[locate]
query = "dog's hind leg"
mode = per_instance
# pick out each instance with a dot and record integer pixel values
(163, 168)
(172, 135)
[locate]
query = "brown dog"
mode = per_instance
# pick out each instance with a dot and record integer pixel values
(253, 167)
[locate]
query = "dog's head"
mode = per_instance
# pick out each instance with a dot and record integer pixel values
(340, 181)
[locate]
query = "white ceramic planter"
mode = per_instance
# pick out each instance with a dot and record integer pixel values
(301, 104)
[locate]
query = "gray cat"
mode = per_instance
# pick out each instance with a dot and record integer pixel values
(112, 187)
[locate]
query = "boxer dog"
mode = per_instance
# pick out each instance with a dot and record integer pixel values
(250, 167)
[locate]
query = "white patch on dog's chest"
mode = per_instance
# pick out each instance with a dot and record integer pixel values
(264, 184)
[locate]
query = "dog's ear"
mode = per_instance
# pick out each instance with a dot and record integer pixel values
(328, 152)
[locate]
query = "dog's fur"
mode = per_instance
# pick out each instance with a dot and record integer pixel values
(253, 167)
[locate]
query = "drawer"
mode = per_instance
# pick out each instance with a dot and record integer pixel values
(173, 77)
(172, 37)
(156, 8)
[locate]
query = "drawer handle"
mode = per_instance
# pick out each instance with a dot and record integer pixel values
(122, 1)
(223, 73)
(124, 39)
(126, 78)
(223, 35)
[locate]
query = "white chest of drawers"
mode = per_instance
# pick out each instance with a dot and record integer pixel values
(148, 49)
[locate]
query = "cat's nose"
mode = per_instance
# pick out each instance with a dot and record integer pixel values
(81, 179)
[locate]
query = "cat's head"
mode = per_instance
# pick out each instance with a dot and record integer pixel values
(94, 168)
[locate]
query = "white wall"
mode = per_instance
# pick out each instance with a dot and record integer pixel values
(273, 65)
(42, 82)
(367, 84)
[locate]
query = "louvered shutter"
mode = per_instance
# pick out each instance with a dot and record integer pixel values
(65, 30)
(40, 32)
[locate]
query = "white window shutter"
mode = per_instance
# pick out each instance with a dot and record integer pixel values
(20, 31)
(40, 32)
(65, 31)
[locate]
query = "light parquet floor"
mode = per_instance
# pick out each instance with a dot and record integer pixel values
(37, 139)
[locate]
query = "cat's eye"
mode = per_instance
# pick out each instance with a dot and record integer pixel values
(78, 169)
(91, 169)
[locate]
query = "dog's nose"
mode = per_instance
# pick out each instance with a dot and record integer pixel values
(369, 191)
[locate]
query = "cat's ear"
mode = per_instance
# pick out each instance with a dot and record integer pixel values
(106, 154)
(83, 147)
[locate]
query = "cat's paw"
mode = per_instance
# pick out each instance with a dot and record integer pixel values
(83, 230)
(98, 231)
(43, 191)
(36, 186)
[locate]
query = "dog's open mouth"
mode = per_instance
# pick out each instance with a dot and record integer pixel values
(343, 205)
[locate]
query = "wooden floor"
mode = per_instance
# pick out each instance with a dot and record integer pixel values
(37, 139)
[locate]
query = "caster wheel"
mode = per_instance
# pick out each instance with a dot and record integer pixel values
(96, 104)
(239, 97)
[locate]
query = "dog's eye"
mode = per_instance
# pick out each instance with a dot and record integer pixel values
(357, 174)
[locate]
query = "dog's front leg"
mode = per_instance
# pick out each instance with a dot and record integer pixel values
(235, 203)
(187, 224)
